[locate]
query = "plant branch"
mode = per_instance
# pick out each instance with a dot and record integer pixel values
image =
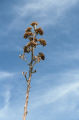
(28, 83)
(29, 48)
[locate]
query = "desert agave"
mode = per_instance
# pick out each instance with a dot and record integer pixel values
(29, 48)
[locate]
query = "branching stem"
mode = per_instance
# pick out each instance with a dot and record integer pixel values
(28, 83)
(29, 48)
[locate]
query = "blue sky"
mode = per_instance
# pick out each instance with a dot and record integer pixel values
(54, 93)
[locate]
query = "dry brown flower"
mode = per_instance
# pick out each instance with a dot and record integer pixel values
(32, 44)
(41, 55)
(42, 42)
(39, 31)
(27, 34)
(26, 49)
(34, 23)
(30, 38)
(28, 29)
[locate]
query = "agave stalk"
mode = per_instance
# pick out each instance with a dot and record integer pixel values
(29, 48)
(28, 83)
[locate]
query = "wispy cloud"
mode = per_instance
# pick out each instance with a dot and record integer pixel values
(44, 11)
(57, 6)
(4, 111)
(53, 95)
(4, 75)
(9, 110)
(54, 87)
(50, 9)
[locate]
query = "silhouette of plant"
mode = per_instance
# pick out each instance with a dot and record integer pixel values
(31, 34)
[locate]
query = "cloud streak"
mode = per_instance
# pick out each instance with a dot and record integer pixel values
(4, 111)
(50, 9)
(57, 6)
(47, 12)
(53, 95)
(4, 75)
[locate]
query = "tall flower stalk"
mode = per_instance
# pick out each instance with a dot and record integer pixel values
(31, 34)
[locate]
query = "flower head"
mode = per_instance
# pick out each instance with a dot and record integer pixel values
(32, 44)
(27, 34)
(42, 42)
(39, 31)
(34, 23)
(28, 29)
(26, 49)
(30, 38)
(41, 55)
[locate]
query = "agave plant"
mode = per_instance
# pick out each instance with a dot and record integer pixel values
(31, 34)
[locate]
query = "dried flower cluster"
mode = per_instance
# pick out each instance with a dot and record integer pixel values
(34, 23)
(26, 49)
(39, 31)
(28, 29)
(27, 34)
(30, 38)
(42, 42)
(29, 48)
(41, 55)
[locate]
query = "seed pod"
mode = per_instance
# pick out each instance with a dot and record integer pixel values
(32, 44)
(27, 34)
(39, 31)
(28, 29)
(34, 23)
(26, 49)
(30, 38)
(41, 55)
(42, 42)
